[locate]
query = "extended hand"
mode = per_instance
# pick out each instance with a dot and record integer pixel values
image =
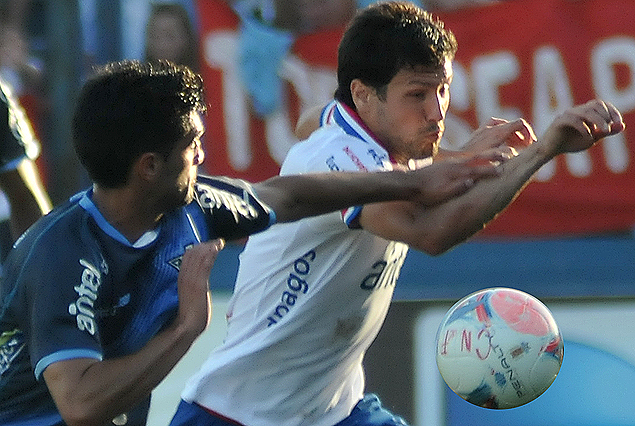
(193, 286)
(448, 178)
(580, 127)
(498, 133)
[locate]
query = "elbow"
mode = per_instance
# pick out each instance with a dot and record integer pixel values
(444, 239)
(437, 251)
(432, 244)
(454, 230)
(82, 414)
(434, 248)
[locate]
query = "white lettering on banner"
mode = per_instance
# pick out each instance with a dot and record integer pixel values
(314, 86)
(618, 50)
(552, 94)
(491, 72)
(477, 86)
(607, 53)
(221, 52)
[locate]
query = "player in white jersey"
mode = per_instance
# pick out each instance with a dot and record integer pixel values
(101, 297)
(311, 296)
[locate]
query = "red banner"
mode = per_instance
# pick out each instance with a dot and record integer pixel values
(517, 58)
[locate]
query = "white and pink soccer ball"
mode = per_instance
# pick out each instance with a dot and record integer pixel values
(499, 348)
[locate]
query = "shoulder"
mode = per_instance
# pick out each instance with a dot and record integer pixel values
(222, 183)
(53, 239)
(326, 142)
(230, 207)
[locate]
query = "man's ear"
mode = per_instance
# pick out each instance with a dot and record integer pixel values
(361, 93)
(148, 166)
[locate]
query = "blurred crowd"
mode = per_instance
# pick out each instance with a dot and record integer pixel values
(45, 75)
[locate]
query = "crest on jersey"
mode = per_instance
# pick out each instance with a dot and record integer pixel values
(176, 262)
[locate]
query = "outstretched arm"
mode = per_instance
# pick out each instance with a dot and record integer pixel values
(437, 229)
(299, 196)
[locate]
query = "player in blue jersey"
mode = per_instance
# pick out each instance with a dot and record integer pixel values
(311, 296)
(104, 295)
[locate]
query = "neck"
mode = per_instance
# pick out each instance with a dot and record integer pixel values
(125, 211)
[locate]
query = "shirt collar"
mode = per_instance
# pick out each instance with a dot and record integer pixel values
(352, 124)
(86, 202)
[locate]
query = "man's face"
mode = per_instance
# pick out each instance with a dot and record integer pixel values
(409, 118)
(167, 39)
(182, 165)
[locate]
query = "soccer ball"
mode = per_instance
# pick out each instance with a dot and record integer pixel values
(499, 348)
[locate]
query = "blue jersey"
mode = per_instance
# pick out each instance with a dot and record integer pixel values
(74, 287)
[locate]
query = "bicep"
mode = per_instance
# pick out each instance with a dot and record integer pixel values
(62, 378)
(428, 229)
(396, 220)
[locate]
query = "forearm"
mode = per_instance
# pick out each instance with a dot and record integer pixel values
(105, 389)
(489, 198)
(299, 196)
(437, 229)
(89, 392)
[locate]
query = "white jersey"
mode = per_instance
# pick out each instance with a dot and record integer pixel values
(309, 300)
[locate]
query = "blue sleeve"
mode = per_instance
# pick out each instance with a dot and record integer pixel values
(60, 290)
(231, 208)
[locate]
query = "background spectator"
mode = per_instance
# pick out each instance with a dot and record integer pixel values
(170, 35)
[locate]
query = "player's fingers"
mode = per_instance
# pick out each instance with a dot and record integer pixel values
(484, 165)
(509, 129)
(602, 118)
(494, 121)
(616, 120)
(522, 131)
(527, 132)
(475, 172)
(201, 257)
(498, 154)
(582, 120)
(597, 117)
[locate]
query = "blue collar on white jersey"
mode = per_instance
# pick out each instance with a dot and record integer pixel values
(342, 115)
(337, 113)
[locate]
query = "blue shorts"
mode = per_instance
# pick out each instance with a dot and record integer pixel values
(367, 412)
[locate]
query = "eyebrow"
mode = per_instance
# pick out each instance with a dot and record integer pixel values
(428, 80)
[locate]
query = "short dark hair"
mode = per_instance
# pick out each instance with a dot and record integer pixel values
(386, 37)
(128, 108)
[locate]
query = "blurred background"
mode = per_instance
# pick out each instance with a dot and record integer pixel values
(568, 239)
